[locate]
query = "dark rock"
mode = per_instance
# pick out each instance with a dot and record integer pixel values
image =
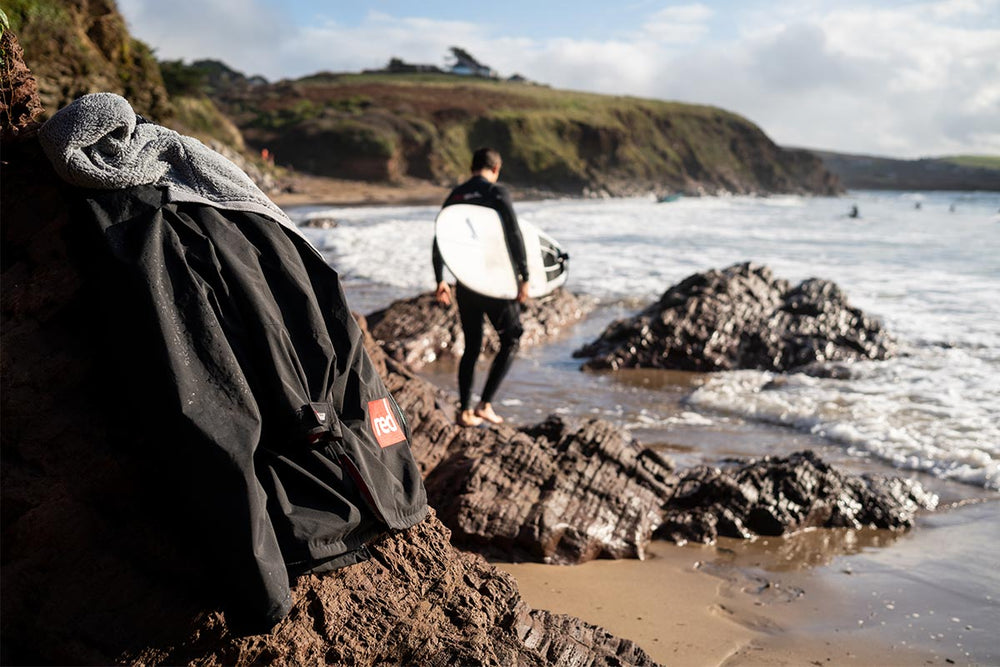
(568, 492)
(415, 602)
(417, 331)
(556, 492)
(777, 496)
(741, 317)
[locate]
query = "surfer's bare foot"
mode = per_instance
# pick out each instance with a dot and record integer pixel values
(485, 411)
(467, 418)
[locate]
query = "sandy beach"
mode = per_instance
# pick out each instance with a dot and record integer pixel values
(769, 602)
(307, 190)
(825, 597)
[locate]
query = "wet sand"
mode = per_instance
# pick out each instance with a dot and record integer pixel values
(664, 603)
(307, 190)
(825, 597)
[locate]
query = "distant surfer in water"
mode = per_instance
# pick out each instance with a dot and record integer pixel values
(504, 314)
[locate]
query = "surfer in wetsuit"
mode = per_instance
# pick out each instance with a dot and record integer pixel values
(504, 314)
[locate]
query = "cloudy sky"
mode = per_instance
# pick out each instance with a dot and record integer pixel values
(898, 78)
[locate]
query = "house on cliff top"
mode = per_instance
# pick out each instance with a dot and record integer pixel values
(466, 65)
(461, 63)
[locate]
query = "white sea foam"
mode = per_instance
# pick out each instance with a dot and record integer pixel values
(644, 419)
(932, 275)
(887, 413)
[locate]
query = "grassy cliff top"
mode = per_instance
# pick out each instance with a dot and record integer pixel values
(430, 92)
(391, 125)
(979, 161)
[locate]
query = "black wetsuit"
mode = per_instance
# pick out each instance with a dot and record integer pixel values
(504, 314)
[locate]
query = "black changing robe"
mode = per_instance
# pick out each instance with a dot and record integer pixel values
(293, 450)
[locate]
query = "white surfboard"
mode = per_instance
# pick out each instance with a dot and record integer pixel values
(473, 247)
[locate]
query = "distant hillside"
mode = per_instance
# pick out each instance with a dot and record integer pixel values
(947, 173)
(985, 161)
(388, 126)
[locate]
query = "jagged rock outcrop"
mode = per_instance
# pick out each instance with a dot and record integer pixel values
(556, 492)
(418, 330)
(741, 317)
(417, 601)
(567, 491)
(780, 495)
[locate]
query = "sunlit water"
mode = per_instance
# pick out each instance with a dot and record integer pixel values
(931, 273)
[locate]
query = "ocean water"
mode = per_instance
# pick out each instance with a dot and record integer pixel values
(927, 265)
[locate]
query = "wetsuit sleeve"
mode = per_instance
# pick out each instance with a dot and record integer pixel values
(438, 263)
(512, 232)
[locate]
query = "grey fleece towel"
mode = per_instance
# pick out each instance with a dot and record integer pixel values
(99, 142)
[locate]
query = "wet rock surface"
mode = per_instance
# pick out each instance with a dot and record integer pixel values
(741, 317)
(418, 330)
(557, 492)
(568, 491)
(560, 491)
(781, 495)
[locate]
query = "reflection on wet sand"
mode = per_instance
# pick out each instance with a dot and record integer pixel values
(801, 550)
(748, 566)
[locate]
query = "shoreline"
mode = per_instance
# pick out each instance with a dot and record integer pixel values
(306, 190)
(769, 602)
(679, 615)
(299, 190)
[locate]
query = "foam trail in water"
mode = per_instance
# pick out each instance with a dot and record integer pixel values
(932, 275)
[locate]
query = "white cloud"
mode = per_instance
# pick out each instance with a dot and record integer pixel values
(241, 33)
(373, 43)
(683, 24)
(908, 80)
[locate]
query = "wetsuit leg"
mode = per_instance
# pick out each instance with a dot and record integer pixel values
(505, 316)
(470, 311)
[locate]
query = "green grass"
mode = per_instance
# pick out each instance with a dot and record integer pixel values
(560, 138)
(981, 161)
(45, 13)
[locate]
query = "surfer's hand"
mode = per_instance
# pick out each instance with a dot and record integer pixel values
(522, 292)
(443, 294)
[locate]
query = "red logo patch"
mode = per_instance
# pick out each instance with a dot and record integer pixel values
(384, 423)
